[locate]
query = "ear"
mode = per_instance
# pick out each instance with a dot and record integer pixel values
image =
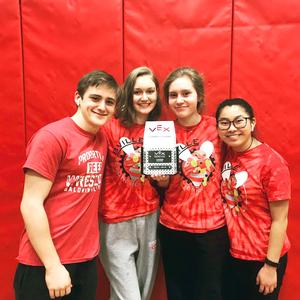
(253, 123)
(77, 98)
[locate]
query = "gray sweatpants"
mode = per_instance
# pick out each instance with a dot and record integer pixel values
(129, 255)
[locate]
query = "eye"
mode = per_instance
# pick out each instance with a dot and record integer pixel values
(172, 95)
(151, 91)
(94, 98)
(239, 121)
(186, 93)
(224, 122)
(137, 92)
(110, 102)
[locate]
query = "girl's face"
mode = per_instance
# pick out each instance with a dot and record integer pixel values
(144, 98)
(183, 100)
(235, 127)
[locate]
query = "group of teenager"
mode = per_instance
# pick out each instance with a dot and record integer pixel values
(220, 229)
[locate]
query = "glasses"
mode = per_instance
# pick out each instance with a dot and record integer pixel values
(238, 122)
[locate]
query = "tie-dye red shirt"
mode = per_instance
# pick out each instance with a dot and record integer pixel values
(251, 180)
(127, 193)
(193, 201)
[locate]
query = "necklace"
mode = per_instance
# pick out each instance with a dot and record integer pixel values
(252, 139)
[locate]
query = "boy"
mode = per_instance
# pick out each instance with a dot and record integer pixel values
(63, 176)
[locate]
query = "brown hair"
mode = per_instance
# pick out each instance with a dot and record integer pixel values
(196, 79)
(124, 109)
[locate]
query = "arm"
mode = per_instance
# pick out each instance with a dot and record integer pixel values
(36, 189)
(267, 276)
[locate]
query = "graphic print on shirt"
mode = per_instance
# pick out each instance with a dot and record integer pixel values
(90, 164)
(198, 166)
(131, 160)
(231, 186)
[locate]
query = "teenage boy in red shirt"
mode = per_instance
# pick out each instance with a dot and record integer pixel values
(63, 177)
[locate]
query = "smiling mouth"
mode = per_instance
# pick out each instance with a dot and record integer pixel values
(232, 135)
(100, 114)
(144, 103)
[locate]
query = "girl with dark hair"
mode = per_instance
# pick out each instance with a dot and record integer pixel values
(192, 228)
(129, 209)
(256, 192)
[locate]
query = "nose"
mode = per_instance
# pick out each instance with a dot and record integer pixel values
(231, 127)
(179, 99)
(101, 105)
(144, 96)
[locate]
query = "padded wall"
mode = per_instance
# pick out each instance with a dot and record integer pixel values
(265, 71)
(62, 40)
(168, 34)
(12, 147)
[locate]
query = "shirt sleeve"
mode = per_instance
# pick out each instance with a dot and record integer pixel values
(44, 154)
(277, 180)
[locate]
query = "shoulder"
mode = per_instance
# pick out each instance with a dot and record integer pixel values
(111, 126)
(52, 134)
(271, 156)
(56, 126)
(209, 120)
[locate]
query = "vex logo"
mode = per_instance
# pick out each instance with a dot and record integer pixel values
(160, 128)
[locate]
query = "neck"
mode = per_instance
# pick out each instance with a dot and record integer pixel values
(140, 120)
(79, 120)
(191, 121)
(252, 144)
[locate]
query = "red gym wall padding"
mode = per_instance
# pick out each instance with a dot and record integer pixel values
(248, 49)
(168, 34)
(12, 146)
(62, 41)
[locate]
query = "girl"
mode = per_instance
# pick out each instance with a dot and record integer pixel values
(192, 225)
(256, 189)
(130, 202)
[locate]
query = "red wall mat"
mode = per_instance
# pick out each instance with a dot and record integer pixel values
(12, 147)
(62, 41)
(168, 34)
(266, 66)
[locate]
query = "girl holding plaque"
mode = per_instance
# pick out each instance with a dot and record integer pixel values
(129, 207)
(255, 188)
(192, 229)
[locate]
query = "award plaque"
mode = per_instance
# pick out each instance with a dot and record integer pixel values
(159, 156)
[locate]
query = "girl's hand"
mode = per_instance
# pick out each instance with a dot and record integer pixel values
(266, 279)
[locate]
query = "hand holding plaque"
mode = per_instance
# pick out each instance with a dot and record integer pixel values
(159, 155)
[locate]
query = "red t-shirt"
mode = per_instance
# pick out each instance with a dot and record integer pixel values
(127, 193)
(250, 180)
(73, 160)
(193, 201)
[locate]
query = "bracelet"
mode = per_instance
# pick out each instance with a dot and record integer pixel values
(271, 263)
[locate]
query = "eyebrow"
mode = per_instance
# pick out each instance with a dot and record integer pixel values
(100, 96)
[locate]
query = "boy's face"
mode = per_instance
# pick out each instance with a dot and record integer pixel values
(96, 106)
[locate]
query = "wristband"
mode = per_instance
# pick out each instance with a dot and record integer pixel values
(271, 263)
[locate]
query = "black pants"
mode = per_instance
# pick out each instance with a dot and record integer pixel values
(29, 282)
(242, 284)
(194, 263)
